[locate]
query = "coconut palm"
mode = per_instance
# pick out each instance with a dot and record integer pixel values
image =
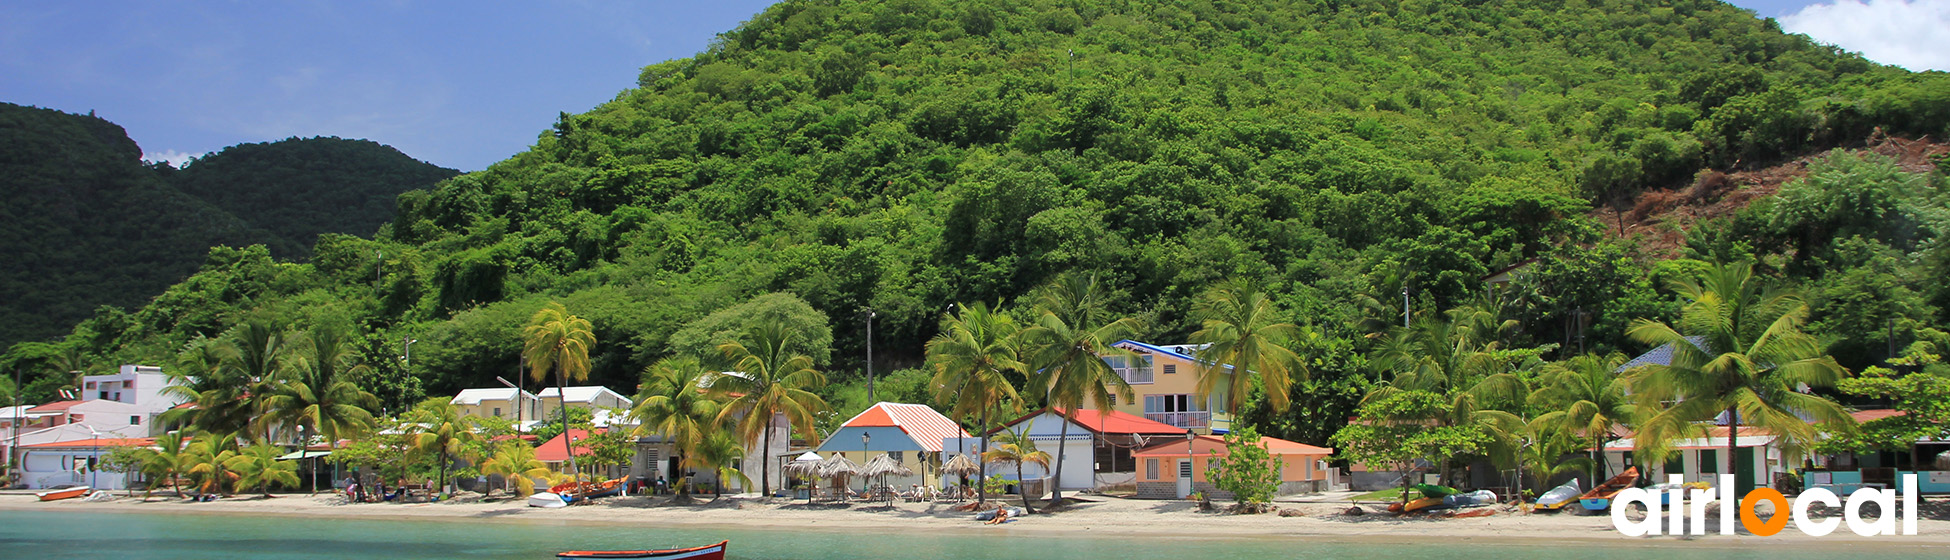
(1586, 397)
(1015, 447)
(72, 364)
(204, 376)
(1543, 456)
(1742, 354)
(260, 359)
(318, 391)
(209, 459)
(258, 465)
(1456, 356)
(771, 380)
(438, 428)
(515, 462)
(672, 404)
(1067, 346)
(971, 360)
(1242, 328)
(722, 453)
(556, 340)
(168, 460)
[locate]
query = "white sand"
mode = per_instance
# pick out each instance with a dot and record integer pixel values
(1103, 515)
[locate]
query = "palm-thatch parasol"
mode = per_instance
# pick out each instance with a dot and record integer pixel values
(885, 465)
(961, 465)
(805, 466)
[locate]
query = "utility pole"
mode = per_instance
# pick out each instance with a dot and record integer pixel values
(1073, 64)
(1404, 304)
(378, 270)
(870, 315)
(13, 464)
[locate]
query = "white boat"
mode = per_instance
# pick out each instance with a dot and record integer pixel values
(546, 500)
(1560, 496)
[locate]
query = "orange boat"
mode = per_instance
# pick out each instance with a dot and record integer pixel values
(1599, 498)
(62, 493)
(576, 491)
(709, 552)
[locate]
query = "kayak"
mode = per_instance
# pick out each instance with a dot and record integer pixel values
(1559, 497)
(1477, 498)
(1414, 505)
(708, 552)
(1435, 490)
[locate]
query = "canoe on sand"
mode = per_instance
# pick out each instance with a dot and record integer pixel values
(1599, 498)
(707, 552)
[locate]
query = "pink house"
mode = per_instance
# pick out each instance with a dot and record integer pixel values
(1170, 470)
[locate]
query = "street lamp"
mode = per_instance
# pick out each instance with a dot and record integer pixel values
(1190, 467)
(96, 459)
(516, 400)
(864, 438)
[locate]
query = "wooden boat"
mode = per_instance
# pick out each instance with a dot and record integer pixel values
(708, 552)
(1599, 498)
(62, 493)
(578, 491)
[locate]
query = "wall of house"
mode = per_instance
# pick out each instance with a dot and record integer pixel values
(1172, 375)
(508, 410)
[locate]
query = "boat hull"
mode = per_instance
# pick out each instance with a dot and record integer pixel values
(62, 494)
(546, 500)
(708, 552)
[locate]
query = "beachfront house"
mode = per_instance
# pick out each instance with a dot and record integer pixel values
(1177, 469)
(913, 434)
(1165, 381)
(72, 462)
(140, 386)
(1097, 451)
(1844, 473)
(521, 407)
(593, 398)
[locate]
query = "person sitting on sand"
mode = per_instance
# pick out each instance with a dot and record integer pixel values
(1001, 516)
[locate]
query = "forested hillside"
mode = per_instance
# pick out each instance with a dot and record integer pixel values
(903, 156)
(87, 223)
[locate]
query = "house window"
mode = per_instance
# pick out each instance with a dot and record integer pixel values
(1133, 371)
(1172, 403)
(1150, 469)
(497, 412)
(90, 385)
(1171, 369)
(135, 420)
(1113, 399)
(899, 456)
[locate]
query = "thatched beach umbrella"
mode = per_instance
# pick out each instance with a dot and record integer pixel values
(961, 465)
(885, 465)
(805, 467)
(838, 468)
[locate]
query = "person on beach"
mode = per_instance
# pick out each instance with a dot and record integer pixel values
(1001, 516)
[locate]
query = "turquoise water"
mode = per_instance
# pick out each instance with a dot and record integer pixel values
(161, 536)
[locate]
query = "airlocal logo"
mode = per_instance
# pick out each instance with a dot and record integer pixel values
(1675, 510)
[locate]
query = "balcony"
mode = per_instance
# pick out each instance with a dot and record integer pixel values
(1201, 419)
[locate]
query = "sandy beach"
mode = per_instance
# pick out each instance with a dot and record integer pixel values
(1100, 515)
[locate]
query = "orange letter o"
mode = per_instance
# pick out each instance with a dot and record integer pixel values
(1751, 521)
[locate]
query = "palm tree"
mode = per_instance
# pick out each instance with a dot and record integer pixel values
(319, 393)
(1742, 354)
(971, 359)
(771, 379)
(1543, 456)
(673, 404)
(204, 376)
(260, 359)
(559, 341)
(258, 465)
(1015, 447)
(209, 459)
(721, 452)
(1457, 357)
(1243, 328)
(72, 364)
(1067, 346)
(436, 426)
(1586, 397)
(169, 459)
(515, 462)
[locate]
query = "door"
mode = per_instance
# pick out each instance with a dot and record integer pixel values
(1744, 482)
(1184, 478)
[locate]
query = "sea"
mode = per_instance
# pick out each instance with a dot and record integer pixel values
(41, 534)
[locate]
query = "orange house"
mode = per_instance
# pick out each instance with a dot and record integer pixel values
(1171, 470)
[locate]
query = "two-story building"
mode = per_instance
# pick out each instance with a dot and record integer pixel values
(1165, 380)
(519, 406)
(141, 386)
(593, 398)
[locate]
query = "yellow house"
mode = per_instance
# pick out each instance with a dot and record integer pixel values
(1165, 379)
(508, 403)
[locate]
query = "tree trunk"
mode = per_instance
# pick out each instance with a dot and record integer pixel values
(1733, 435)
(1603, 466)
(1021, 485)
(562, 408)
(765, 467)
(981, 483)
(1056, 489)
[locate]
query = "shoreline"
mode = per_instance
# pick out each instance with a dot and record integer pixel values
(1150, 519)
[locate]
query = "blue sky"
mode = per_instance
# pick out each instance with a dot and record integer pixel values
(465, 84)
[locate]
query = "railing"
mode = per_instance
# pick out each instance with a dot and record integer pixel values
(1135, 375)
(1181, 419)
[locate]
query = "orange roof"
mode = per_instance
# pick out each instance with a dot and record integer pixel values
(921, 423)
(53, 407)
(94, 442)
(1112, 422)
(1214, 445)
(551, 452)
(1861, 416)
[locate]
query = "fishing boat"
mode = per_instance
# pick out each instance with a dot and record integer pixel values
(62, 493)
(708, 552)
(579, 491)
(546, 500)
(1556, 498)
(1599, 498)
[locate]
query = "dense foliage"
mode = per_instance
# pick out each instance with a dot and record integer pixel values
(899, 156)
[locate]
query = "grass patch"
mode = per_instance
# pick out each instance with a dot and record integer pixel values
(1388, 495)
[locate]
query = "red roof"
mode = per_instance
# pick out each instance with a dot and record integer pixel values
(1112, 422)
(54, 407)
(1214, 445)
(96, 442)
(925, 426)
(551, 452)
(1861, 416)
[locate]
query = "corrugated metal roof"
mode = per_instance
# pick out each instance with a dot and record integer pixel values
(1661, 356)
(1210, 445)
(1112, 422)
(918, 421)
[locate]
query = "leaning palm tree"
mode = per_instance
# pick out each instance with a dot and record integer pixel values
(770, 380)
(204, 375)
(721, 452)
(319, 393)
(1015, 447)
(1242, 328)
(437, 427)
(1586, 396)
(672, 404)
(1456, 356)
(1067, 346)
(515, 462)
(170, 460)
(209, 459)
(971, 360)
(556, 340)
(1739, 351)
(258, 465)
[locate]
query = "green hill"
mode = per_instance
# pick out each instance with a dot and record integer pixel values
(904, 155)
(88, 224)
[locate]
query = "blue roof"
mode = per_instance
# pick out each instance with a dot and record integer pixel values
(1155, 349)
(1661, 356)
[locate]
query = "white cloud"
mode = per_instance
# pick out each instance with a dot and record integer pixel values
(1913, 35)
(175, 158)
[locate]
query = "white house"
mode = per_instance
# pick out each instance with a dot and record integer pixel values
(141, 386)
(594, 398)
(504, 402)
(56, 458)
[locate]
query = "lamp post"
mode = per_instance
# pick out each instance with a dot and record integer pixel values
(864, 438)
(516, 400)
(96, 459)
(1190, 467)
